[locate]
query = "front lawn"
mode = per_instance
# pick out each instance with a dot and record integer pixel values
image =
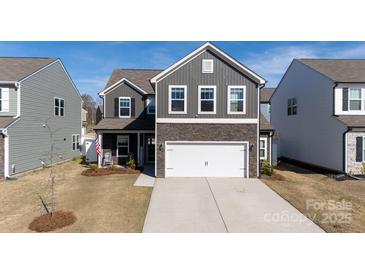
(333, 205)
(101, 204)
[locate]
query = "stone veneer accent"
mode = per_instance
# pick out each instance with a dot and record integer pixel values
(206, 132)
(353, 167)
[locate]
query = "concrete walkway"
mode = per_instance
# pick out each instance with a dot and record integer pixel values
(221, 205)
(146, 178)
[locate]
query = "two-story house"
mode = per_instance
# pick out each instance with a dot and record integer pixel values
(199, 117)
(318, 109)
(39, 107)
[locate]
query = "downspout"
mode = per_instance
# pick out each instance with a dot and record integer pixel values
(6, 152)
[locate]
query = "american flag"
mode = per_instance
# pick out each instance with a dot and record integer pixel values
(97, 146)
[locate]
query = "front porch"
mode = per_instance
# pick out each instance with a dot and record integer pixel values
(122, 145)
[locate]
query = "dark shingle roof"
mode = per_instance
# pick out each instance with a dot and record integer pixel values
(139, 77)
(264, 124)
(126, 123)
(15, 69)
(5, 121)
(339, 70)
(352, 120)
(265, 94)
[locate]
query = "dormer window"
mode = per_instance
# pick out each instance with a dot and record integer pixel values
(207, 66)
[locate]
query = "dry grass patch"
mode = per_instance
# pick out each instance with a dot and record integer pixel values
(100, 204)
(304, 189)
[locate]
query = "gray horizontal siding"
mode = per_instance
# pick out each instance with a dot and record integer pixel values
(191, 75)
(127, 91)
(29, 141)
(13, 99)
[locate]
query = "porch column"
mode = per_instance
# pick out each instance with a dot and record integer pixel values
(138, 149)
(100, 156)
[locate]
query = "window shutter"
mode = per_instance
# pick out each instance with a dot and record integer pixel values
(116, 107)
(345, 99)
(5, 99)
(133, 107)
(359, 149)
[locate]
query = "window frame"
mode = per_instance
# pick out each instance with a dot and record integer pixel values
(59, 107)
(2, 100)
(265, 148)
(130, 107)
(75, 142)
(214, 111)
(170, 111)
(128, 146)
(229, 111)
(211, 61)
(361, 99)
(149, 99)
(290, 106)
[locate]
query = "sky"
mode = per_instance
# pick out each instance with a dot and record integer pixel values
(90, 63)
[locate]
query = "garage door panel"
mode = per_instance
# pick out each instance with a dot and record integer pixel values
(205, 159)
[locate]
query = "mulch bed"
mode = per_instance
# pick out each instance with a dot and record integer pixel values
(48, 222)
(109, 171)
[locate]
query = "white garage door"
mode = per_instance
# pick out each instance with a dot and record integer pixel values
(206, 159)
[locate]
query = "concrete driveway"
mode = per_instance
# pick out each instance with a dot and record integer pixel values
(221, 205)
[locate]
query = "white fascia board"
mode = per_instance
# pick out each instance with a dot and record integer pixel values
(197, 51)
(104, 92)
(205, 121)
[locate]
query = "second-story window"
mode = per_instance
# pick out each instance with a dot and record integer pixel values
(4, 99)
(292, 106)
(236, 99)
(151, 108)
(355, 99)
(177, 99)
(125, 107)
(206, 99)
(59, 106)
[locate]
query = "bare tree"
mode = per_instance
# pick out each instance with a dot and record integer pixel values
(90, 105)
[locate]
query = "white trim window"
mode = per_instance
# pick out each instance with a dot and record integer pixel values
(207, 66)
(59, 107)
(75, 142)
(122, 146)
(292, 106)
(355, 99)
(363, 149)
(124, 107)
(151, 107)
(207, 99)
(263, 148)
(4, 99)
(177, 99)
(236, 100)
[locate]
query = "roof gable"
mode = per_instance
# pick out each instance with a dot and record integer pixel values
(138, 78)
(16, 69)
(265, 94)
(209, 46)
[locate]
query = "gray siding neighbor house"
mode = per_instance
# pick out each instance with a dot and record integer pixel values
(199, 117)
(318, 110)
(37, 93)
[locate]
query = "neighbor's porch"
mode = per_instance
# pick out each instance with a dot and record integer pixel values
(123, 145)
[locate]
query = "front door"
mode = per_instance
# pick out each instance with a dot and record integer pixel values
(150, 149)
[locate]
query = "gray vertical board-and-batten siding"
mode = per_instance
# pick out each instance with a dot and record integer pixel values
(13, 100)
(190, 74)
(29, 141)
(125, 90)
(314, 135)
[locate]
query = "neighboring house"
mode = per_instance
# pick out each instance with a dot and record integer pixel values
(318, 110)
(266, 130)
(36, 93)
(199, 117)
(84, 121)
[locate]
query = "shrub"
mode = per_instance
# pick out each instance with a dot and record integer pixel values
(267, 168)
(94, 166)
(131, 163)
